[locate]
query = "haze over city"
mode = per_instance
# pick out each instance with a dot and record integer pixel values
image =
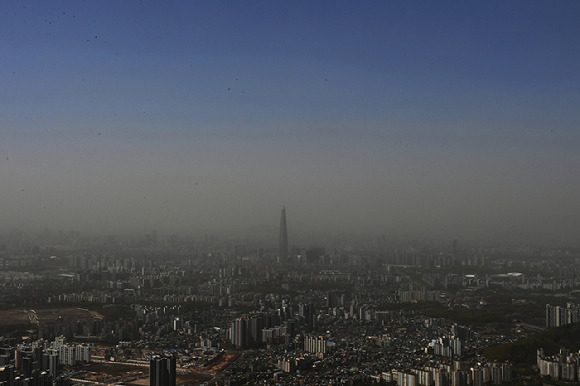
(423, 120)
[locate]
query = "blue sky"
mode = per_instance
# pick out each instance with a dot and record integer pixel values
(442, 119)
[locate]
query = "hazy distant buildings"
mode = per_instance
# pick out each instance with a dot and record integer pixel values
(283, 237)
(414, 294)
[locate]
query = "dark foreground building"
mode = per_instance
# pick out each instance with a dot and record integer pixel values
(162, 371)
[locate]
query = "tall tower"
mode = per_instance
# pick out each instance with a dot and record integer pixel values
(283, 238)
(162, 371)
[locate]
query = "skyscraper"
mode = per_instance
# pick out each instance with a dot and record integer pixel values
(162, 371)
(283, 238)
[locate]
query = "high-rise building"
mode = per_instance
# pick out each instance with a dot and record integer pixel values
(50, 363)
(308, 314)
(283, 238)
(557, 316)
(239, 332)
(162, 371)
(316, 345)
(476, 376)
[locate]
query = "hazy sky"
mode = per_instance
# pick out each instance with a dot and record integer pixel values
(412, 119)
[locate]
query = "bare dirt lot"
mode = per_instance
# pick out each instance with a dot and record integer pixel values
(13, 318)
(27, 318)
(223, 360)
(133, 375)
(72, 313)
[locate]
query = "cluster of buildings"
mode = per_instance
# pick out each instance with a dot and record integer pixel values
(255, 329)
(420, 295)
(557, 316)
(562, 366)
(39, 363)
(446, 347)
(450, 375)
(293, 364)
(316, 345)
(83, 297)
(274, 326)
(338, 351)
(71, 354)
(453, 344)
(300, 315)
(88, 328)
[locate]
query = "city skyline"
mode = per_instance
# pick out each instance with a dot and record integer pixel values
(416, 121)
